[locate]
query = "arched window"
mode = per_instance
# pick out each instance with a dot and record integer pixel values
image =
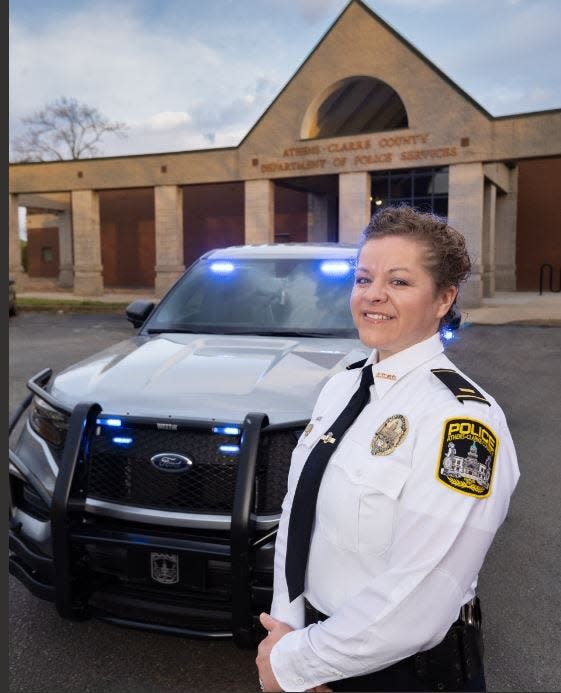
(354, 106)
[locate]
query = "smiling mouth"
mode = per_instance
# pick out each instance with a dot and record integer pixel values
(377, 316)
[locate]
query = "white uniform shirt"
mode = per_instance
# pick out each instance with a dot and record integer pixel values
(395, 550)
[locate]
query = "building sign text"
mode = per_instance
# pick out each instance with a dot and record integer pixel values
(357, 153)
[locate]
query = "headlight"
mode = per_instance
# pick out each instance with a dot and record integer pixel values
(48, 422)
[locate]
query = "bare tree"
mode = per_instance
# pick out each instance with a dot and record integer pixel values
(63, 129)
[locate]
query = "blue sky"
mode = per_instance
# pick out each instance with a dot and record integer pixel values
(191, 74)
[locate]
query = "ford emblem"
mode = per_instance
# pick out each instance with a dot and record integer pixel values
(171, 462)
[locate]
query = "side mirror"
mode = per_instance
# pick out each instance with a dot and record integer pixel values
(138, 312)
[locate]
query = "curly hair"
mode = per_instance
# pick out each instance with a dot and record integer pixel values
(446, 257)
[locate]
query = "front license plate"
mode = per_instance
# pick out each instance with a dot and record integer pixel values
(164, 568)
(173, 569)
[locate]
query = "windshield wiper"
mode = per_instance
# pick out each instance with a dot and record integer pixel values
(202, 329)
(293, 333)
(161, 330)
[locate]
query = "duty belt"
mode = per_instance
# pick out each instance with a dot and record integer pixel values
(456, 660)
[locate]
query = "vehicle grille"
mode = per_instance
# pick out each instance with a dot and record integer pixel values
(125, 475)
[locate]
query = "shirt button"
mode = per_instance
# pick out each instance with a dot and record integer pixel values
(359, 472)
(300, 680)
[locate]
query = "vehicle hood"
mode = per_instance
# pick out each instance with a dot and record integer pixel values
(205, 377)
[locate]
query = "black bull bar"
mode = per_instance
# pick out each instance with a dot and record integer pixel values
(69, 502)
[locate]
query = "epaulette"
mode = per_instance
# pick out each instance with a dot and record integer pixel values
(357, 364)
(461, 388)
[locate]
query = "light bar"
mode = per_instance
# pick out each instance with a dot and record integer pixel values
(222, 267)
(335, 268)
(226, 430)
(109, 422)
(230, 449)
(122, 441)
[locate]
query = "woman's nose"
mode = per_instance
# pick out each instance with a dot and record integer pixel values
(376, 292)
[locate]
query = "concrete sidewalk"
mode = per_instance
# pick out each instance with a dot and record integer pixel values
(503, 309)
(113, 296)
(518, 308)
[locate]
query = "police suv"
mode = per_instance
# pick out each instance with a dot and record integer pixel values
(147, 482)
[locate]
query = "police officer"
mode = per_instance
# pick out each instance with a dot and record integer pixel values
(395, 492)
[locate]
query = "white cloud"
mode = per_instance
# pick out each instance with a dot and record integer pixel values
(507, 99)
(158, 79)
(167, 120)
(125, 63)
(417, 5)
(315, 10)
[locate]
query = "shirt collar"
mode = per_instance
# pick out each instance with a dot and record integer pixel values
(389, 371)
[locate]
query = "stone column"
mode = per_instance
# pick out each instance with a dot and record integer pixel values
(168, 202)
(354, 205)
(488, 241)
(505, 236)
(259, 211)
(465, 213)
(318, 218)
(65, 271)
(88, 278)
(15, 267)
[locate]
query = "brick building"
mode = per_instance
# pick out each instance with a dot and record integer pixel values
(366, 121)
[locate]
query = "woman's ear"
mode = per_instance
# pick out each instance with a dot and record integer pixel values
(447, 298)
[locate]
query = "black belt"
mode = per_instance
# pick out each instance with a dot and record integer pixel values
(456, 661)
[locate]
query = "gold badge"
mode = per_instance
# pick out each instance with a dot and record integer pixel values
(390, 434)
(308, 429)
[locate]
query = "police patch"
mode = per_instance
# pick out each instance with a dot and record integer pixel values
(390, 434)
(467, 457)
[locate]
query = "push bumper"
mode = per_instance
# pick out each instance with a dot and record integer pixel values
(101, 567)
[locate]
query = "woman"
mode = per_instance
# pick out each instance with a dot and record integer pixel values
(395, 492)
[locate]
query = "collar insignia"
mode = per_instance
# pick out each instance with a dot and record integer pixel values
(390, 434)
(386, 376)
(308, 429)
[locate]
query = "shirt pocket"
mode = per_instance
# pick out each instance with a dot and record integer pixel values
(380, 481)
(301, 453)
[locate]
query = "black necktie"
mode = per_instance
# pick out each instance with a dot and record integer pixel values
(305, 497)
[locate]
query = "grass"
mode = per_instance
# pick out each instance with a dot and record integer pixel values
(69, 306)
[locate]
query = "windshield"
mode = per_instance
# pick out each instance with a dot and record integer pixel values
(261, 296)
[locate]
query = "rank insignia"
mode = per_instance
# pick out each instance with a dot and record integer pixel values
(390, 434)
(308, 429)
(467, 457)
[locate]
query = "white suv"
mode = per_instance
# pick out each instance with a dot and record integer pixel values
(147, 483)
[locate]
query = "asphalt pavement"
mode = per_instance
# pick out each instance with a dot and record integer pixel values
(520, 584)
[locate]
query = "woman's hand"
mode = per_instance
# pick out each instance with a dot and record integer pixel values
(276, 630)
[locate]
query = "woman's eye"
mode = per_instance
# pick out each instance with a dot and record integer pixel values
(361, 280)
(399, 282)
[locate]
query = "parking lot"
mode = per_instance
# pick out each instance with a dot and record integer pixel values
(520, 585)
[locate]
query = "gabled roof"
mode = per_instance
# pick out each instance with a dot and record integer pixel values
(389, 28)
(405, 43)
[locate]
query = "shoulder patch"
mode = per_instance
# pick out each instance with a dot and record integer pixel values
(467, 457)
(461, 388)
(357, 364)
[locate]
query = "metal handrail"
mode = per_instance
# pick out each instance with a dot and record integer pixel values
(543, 267)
